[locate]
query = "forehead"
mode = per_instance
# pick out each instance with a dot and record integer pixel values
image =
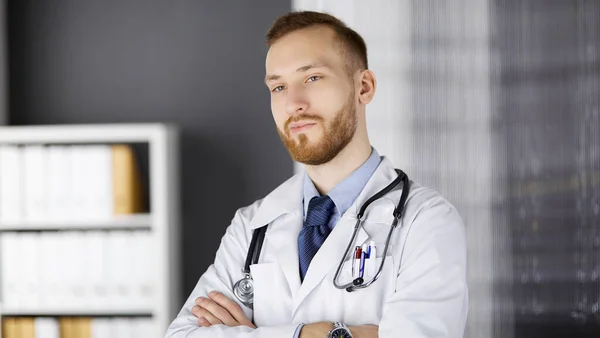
(302, 47)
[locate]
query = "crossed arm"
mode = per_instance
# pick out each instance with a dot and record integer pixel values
(207, 314)
(218, 309)
(431, 298)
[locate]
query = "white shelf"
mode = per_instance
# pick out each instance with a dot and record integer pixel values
(77, 313)
(82, 133)
(131, 222)
(162, 224)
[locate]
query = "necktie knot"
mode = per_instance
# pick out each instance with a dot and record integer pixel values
(319, 211)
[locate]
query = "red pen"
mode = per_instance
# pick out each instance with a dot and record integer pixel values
(356, 261)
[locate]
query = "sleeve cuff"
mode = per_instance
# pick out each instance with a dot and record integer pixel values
(298, 329)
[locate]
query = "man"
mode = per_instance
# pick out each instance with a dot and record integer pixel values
(318, 76)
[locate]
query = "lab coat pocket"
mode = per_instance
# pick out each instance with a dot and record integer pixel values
(272, 302)
(365, 306)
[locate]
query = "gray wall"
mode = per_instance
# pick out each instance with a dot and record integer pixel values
(3, 73)
(199, 64)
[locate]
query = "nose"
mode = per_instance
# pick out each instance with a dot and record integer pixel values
(296, 102)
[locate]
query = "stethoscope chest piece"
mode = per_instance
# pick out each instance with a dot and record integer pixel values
(244, 290)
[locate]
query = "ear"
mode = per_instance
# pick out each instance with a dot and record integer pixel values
(368, 85)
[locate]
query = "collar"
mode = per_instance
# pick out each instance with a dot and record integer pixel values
(345, 192)
(287, 198)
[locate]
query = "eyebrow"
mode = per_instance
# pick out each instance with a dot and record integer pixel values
(301, 69)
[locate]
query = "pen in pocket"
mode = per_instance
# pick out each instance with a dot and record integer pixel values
(372, 266)
(356, 261)
(363, 257)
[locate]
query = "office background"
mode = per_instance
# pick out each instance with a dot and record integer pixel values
(494, 103)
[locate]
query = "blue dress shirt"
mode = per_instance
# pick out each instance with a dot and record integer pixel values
(343, 195)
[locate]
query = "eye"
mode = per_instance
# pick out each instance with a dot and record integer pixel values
(277, 89)
(313, 78)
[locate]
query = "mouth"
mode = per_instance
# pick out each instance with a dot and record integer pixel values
(297, 127)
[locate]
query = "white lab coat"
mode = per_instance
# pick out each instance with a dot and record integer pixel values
(422, 291)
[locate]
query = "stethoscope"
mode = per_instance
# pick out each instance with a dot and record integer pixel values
(244, 288)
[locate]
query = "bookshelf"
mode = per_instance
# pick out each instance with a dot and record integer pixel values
(157, 228)
(126, 222)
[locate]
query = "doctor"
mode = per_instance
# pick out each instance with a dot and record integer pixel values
(320, 84)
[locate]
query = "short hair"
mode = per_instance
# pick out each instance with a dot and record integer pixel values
(353, 45)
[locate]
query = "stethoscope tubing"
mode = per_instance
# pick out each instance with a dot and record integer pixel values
(358, 283)
(259, 235)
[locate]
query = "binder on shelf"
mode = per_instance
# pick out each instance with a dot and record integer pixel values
(127, 189)
(60, 183)
(101, 327)
(9, 328)
(143, 262)
(9, 270)
(34, 165)
(118, 270)
(72, 270)
(91, 179)
(11, 188)
(46, 327)
(100, 182)
(25, 327)
(66, 327)
(53, 275)
(94, 270)
(82, 327)
(46, 271)
(121, 328)
(28, 277)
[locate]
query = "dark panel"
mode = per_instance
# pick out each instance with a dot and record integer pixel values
(547, 92)
(199, 64)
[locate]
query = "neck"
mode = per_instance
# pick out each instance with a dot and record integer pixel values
(326, 176)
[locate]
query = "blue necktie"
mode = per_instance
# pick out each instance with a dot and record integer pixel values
(315, 230)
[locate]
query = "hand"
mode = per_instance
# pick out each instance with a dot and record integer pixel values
(218, 309)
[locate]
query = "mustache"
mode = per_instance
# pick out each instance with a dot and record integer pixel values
(303, 117)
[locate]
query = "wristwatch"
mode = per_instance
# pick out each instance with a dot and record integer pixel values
(340, 330)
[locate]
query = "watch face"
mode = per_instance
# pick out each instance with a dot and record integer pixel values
(340, 333)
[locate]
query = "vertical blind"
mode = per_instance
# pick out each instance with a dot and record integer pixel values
(496, 105)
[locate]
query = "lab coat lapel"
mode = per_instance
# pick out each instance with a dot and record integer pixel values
(330, 253)
(282, 210)
(284, 240)
(285, 199)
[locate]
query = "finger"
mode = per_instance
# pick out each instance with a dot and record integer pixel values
(205, 318)
(232, 307)
(217, 311)
(203, 322)
(195, 311)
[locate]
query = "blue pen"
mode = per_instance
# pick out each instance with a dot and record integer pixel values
(362, 261)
